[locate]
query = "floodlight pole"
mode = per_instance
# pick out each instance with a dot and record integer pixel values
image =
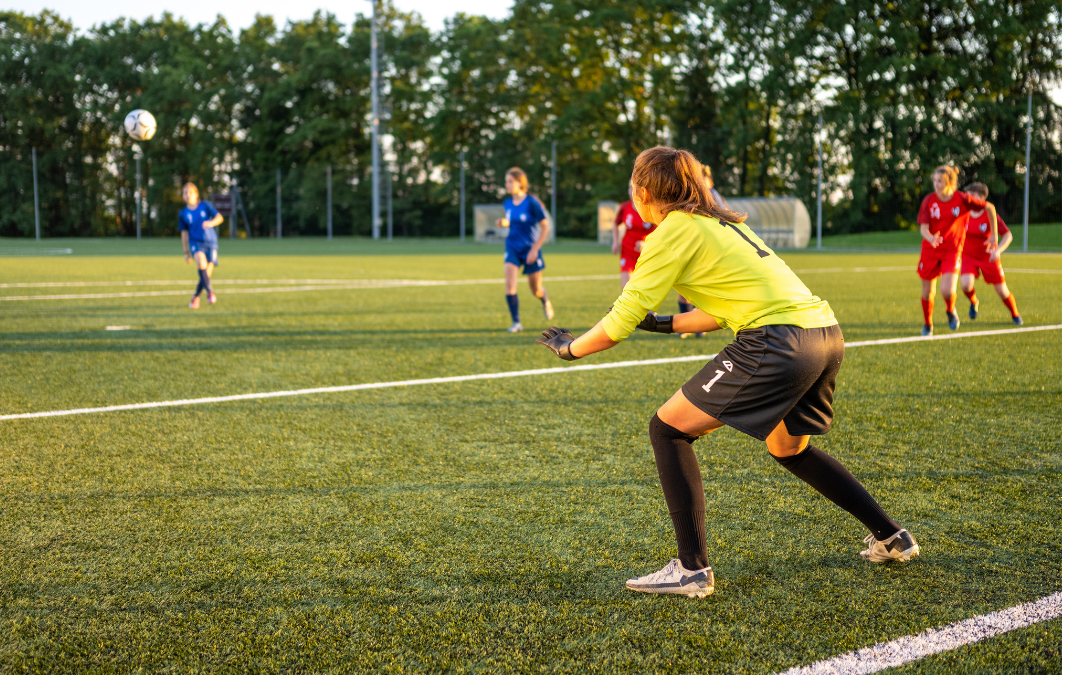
(820, 181)
(376, 212)
(137, 161)
(330, 219)
(463, 225)
(278, 201)
(1027, 167)
(553, 193)
(389, 204)
(36, 203)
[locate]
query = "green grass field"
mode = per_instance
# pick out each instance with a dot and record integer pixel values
(488, 526)
(1042, 238)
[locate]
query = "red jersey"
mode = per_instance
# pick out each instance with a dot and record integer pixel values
(977, 232)
(634, 229)
(944, 218)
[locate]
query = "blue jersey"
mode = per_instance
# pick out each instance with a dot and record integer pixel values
(523, 221)
(192, 221)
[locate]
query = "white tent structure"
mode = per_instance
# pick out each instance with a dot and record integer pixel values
(781, 222)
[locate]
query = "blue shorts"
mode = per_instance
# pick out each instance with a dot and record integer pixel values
(211, 254)
(518, 257)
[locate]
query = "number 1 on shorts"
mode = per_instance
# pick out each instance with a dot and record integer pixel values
(709, 385)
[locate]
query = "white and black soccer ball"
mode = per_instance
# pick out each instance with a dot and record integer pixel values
(141, 125)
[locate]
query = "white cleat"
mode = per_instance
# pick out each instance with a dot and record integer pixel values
(547, 309)
(899, 547)
(516, 327)
(674, 579)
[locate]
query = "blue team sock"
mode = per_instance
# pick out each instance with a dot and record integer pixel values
(685, 306)
(514, 307)
(200, 287)
(205, 282)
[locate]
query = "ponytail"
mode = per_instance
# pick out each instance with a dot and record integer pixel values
(675, 182)
(951, 173)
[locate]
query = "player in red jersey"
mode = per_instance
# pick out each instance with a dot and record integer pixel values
(630, 244)
(943, 230)
(979, 258)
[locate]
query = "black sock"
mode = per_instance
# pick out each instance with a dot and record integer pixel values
(205, 281)
(830, 478)
(200, 287)
(514, 307)
(681, 480)
(685, 306)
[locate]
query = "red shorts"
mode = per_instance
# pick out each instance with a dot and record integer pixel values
(628, 255)
(935, 263)
(991, 271)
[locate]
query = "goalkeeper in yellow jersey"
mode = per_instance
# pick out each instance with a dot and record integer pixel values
(773, 382)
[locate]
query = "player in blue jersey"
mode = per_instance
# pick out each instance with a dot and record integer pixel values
(197, 223)
(528, 228)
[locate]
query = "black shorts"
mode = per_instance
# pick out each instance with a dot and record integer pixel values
(772, 374)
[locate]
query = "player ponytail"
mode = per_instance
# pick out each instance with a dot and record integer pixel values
(675, 182)
(951, 173)
(978, 189)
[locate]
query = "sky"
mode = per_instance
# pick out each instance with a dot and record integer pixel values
(240, 13)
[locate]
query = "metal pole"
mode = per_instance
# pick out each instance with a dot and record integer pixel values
(330, 212)
(463, 225)
(553, 194)
(820, 181)
(1027, 167)
(36, 204)
(278, 201)
(389, 204)
(137, 160)
(376, 213)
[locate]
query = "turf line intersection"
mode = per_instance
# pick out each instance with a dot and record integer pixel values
(482, 376)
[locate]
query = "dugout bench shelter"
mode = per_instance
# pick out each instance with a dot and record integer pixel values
(781, 222)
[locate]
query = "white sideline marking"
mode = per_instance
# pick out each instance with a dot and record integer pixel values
(468, 378)
(318, 286)
(116, 328)
(935, 640)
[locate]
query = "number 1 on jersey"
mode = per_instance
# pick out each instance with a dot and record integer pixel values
(760, 252)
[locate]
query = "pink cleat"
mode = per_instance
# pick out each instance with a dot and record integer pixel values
(211, 298)
(195, 303)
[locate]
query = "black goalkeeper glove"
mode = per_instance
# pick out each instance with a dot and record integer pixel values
(557, 340)
(656, 324)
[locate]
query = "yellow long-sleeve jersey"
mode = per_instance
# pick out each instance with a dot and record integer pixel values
(723, 269)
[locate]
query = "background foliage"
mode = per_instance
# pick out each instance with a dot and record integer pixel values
(902, 86)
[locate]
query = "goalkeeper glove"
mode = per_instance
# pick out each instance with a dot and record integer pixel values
(557, 341)
(656, 324)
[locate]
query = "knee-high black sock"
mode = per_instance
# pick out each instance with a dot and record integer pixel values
(200, 287)
(830, 478)
(681, 480)
(205, 281)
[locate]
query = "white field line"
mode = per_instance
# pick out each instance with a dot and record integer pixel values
(469, 378)
(935, 640)
(319, 286)
(380, 282)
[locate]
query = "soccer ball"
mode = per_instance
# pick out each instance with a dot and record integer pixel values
(141, 125)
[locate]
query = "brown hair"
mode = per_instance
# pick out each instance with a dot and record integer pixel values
(518, 174)
(951, 172)
(675, 183)
(977, 188)
(707, 172)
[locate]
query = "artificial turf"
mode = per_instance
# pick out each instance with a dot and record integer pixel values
(488, 526)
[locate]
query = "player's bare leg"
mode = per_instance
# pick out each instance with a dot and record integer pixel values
(948, 286)
(1003, 292)
(211, 293)
(534, 280)
(624, 278)
(927, 301)
(512, 276)
(968, 287)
